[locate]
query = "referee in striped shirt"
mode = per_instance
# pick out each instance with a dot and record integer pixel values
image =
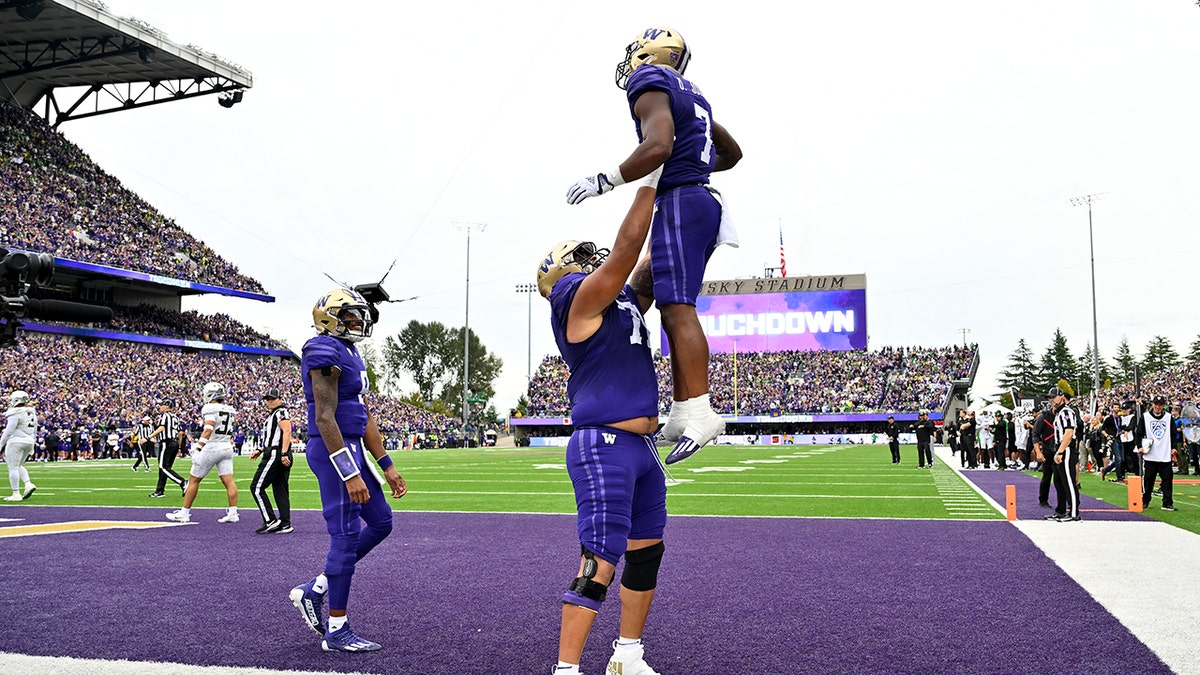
(275, 467)
(144, 445)
(167, 435)
(1065, 457)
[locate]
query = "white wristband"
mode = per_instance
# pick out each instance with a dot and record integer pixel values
(614, 176)
(344, 464)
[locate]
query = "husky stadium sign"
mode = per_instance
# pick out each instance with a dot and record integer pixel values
(785, 314)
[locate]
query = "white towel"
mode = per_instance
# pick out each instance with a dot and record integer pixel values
(726, 233)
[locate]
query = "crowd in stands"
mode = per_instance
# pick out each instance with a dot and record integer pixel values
(54, 199)
(192, 325)
(779, 383)
(109, 384)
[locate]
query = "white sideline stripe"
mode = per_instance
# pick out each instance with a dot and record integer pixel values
(1157, 603)
(65, 665)
(943, 454)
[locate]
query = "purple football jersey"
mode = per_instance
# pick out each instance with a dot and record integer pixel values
(327, 351)
(612, 373)
(693, 156)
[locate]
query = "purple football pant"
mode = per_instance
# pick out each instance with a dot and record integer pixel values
(349, 538)
(683, 237)
(620, 489)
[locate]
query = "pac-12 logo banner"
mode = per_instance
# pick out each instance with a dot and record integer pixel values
(775, 322)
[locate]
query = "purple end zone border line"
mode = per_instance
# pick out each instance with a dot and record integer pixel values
(993, 483)
(478, 593)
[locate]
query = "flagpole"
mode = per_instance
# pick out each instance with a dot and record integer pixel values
(735, 387)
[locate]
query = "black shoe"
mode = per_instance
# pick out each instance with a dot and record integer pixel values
(269, 526)
(1054, 516)
(286, 528)
(157, 495)
(1169, 508)
(1068, 519)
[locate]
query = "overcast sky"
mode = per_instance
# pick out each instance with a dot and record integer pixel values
(932, 145)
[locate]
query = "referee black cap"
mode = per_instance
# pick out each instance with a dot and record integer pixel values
(271, 394)
(170, 403)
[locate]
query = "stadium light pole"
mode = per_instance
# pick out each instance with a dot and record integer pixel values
(528, 290)
(964, 332)
(469, 228)
(1080, 201)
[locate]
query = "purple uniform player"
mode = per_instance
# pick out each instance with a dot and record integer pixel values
(676, 131)
(620, 490)
(341, 433)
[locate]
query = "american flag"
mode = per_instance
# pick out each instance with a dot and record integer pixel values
(782, 259)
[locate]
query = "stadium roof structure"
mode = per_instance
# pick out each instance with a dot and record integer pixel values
(75, 59)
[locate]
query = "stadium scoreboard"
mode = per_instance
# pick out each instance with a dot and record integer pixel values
(812, 313)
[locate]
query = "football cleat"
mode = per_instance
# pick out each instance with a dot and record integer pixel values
(699, 433)
(228, 518)
(14, 498)
(628, 661)
(157, 495)
(30, 488)
(311, 605)
(180, 516)
(345, 640)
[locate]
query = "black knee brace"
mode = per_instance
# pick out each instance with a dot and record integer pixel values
(583, 591)
(641, 568)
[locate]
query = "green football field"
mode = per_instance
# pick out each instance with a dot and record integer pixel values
(826, 481)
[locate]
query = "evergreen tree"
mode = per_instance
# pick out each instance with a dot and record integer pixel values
(1194, 351)
(1123, 362)
(1021, 373)
(1160, 355)
(1057, 362)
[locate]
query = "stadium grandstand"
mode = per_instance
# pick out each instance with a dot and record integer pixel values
(65, 60)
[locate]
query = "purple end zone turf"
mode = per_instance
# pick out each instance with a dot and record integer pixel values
(479, 593)
(994, 482)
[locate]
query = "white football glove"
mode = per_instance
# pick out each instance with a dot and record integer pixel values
(196, 447)
(594, 185)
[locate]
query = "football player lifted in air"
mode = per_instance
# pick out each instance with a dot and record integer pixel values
(620, 490)
(20, 433)
(213, 449)
(342, 434)
(676, 131)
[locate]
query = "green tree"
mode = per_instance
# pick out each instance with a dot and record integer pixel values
(1057, 362)
(1085, 371)
(371, 358)
(1124, 362)
(484, 366)
(1021, 373)
(419, 351)
(1160, 355)
(1194, 351)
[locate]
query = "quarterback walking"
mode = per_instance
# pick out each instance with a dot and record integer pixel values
(342, 433)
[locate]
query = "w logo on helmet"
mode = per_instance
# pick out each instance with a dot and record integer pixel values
(652, 33)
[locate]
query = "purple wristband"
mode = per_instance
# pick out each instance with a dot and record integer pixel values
(385, 462)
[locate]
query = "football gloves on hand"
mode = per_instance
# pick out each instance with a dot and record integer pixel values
(594, 185)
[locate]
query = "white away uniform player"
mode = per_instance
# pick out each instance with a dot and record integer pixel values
(20, 433)
(214, 448)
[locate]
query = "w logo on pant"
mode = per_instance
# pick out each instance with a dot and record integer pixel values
(609, 439)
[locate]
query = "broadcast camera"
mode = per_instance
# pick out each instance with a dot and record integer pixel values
(21, 273)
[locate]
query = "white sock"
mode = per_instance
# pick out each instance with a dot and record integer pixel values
(184, 511)
(231, 510)
(565, 668)
(628, 643)
(699, 404)
(321, 584)
(680, 409)
(336, 623)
